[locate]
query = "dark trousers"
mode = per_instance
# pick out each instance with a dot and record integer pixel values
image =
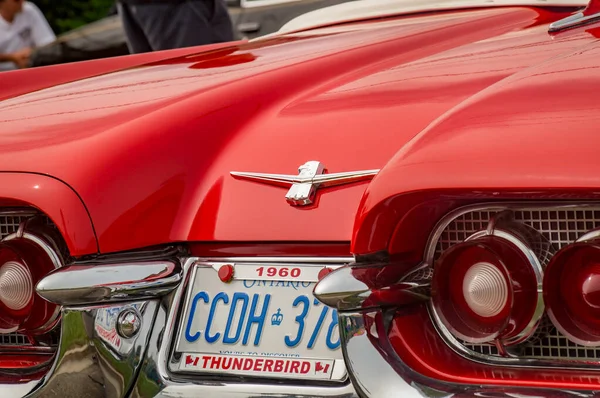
(154, 26)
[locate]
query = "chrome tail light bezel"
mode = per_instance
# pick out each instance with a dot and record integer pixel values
(513, 359)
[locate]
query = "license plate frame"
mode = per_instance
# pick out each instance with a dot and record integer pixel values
(180, 355)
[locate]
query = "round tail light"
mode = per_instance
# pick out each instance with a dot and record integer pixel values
(16, 286)
(572, 292)
(485, 289)
(24, 260)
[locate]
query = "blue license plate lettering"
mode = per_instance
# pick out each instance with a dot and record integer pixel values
(304, 303)
(246, 313)
(234, 327)
(262, 322)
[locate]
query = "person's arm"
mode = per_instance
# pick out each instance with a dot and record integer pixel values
(42, 33)
(7, 57)
(19, 58)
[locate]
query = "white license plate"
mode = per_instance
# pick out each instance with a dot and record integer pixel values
(263, 323)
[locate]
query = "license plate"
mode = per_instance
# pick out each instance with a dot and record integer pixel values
(265, 322)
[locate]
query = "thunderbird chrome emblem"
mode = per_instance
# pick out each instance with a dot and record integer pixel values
(305, 184)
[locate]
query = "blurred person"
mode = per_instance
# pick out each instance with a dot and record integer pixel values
(22, 28)
(152, 25)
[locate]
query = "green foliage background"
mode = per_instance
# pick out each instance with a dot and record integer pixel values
(64, 15)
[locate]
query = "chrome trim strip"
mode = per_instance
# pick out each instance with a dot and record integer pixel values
(573, 21)
(80, 285)
(282, 260)
(26, 349)
(590, 236)
(20, 212)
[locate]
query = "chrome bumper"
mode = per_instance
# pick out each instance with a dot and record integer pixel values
(95, 361)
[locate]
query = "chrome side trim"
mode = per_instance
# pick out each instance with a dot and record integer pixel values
(80, 285)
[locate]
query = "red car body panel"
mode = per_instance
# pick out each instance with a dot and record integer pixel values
(528, 136)
(149, 149)
(58, 201)
(19, 82)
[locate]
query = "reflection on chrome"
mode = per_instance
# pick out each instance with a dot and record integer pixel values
(95, 360)
(79, 284)
(377, 372)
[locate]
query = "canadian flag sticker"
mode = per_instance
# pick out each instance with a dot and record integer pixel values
(322, 367)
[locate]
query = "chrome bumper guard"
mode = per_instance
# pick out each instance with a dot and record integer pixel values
(116, 337)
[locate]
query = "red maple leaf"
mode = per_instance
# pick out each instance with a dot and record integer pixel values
(319, 367)
(189, 360)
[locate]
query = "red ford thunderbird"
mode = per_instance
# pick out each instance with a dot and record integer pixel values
(385, 198)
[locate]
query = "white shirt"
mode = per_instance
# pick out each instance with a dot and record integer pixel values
(28, 29)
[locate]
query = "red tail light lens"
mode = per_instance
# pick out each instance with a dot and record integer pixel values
(23, 262)
(485, 289)
(572, 292)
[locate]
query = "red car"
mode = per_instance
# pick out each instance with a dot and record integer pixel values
(385, 198)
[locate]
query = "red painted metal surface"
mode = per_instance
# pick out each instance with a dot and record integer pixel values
(58, 201)
(592, 8)
(422, 349)
(530, 136)
(149, 149)
(19, 82)
(274, 249)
